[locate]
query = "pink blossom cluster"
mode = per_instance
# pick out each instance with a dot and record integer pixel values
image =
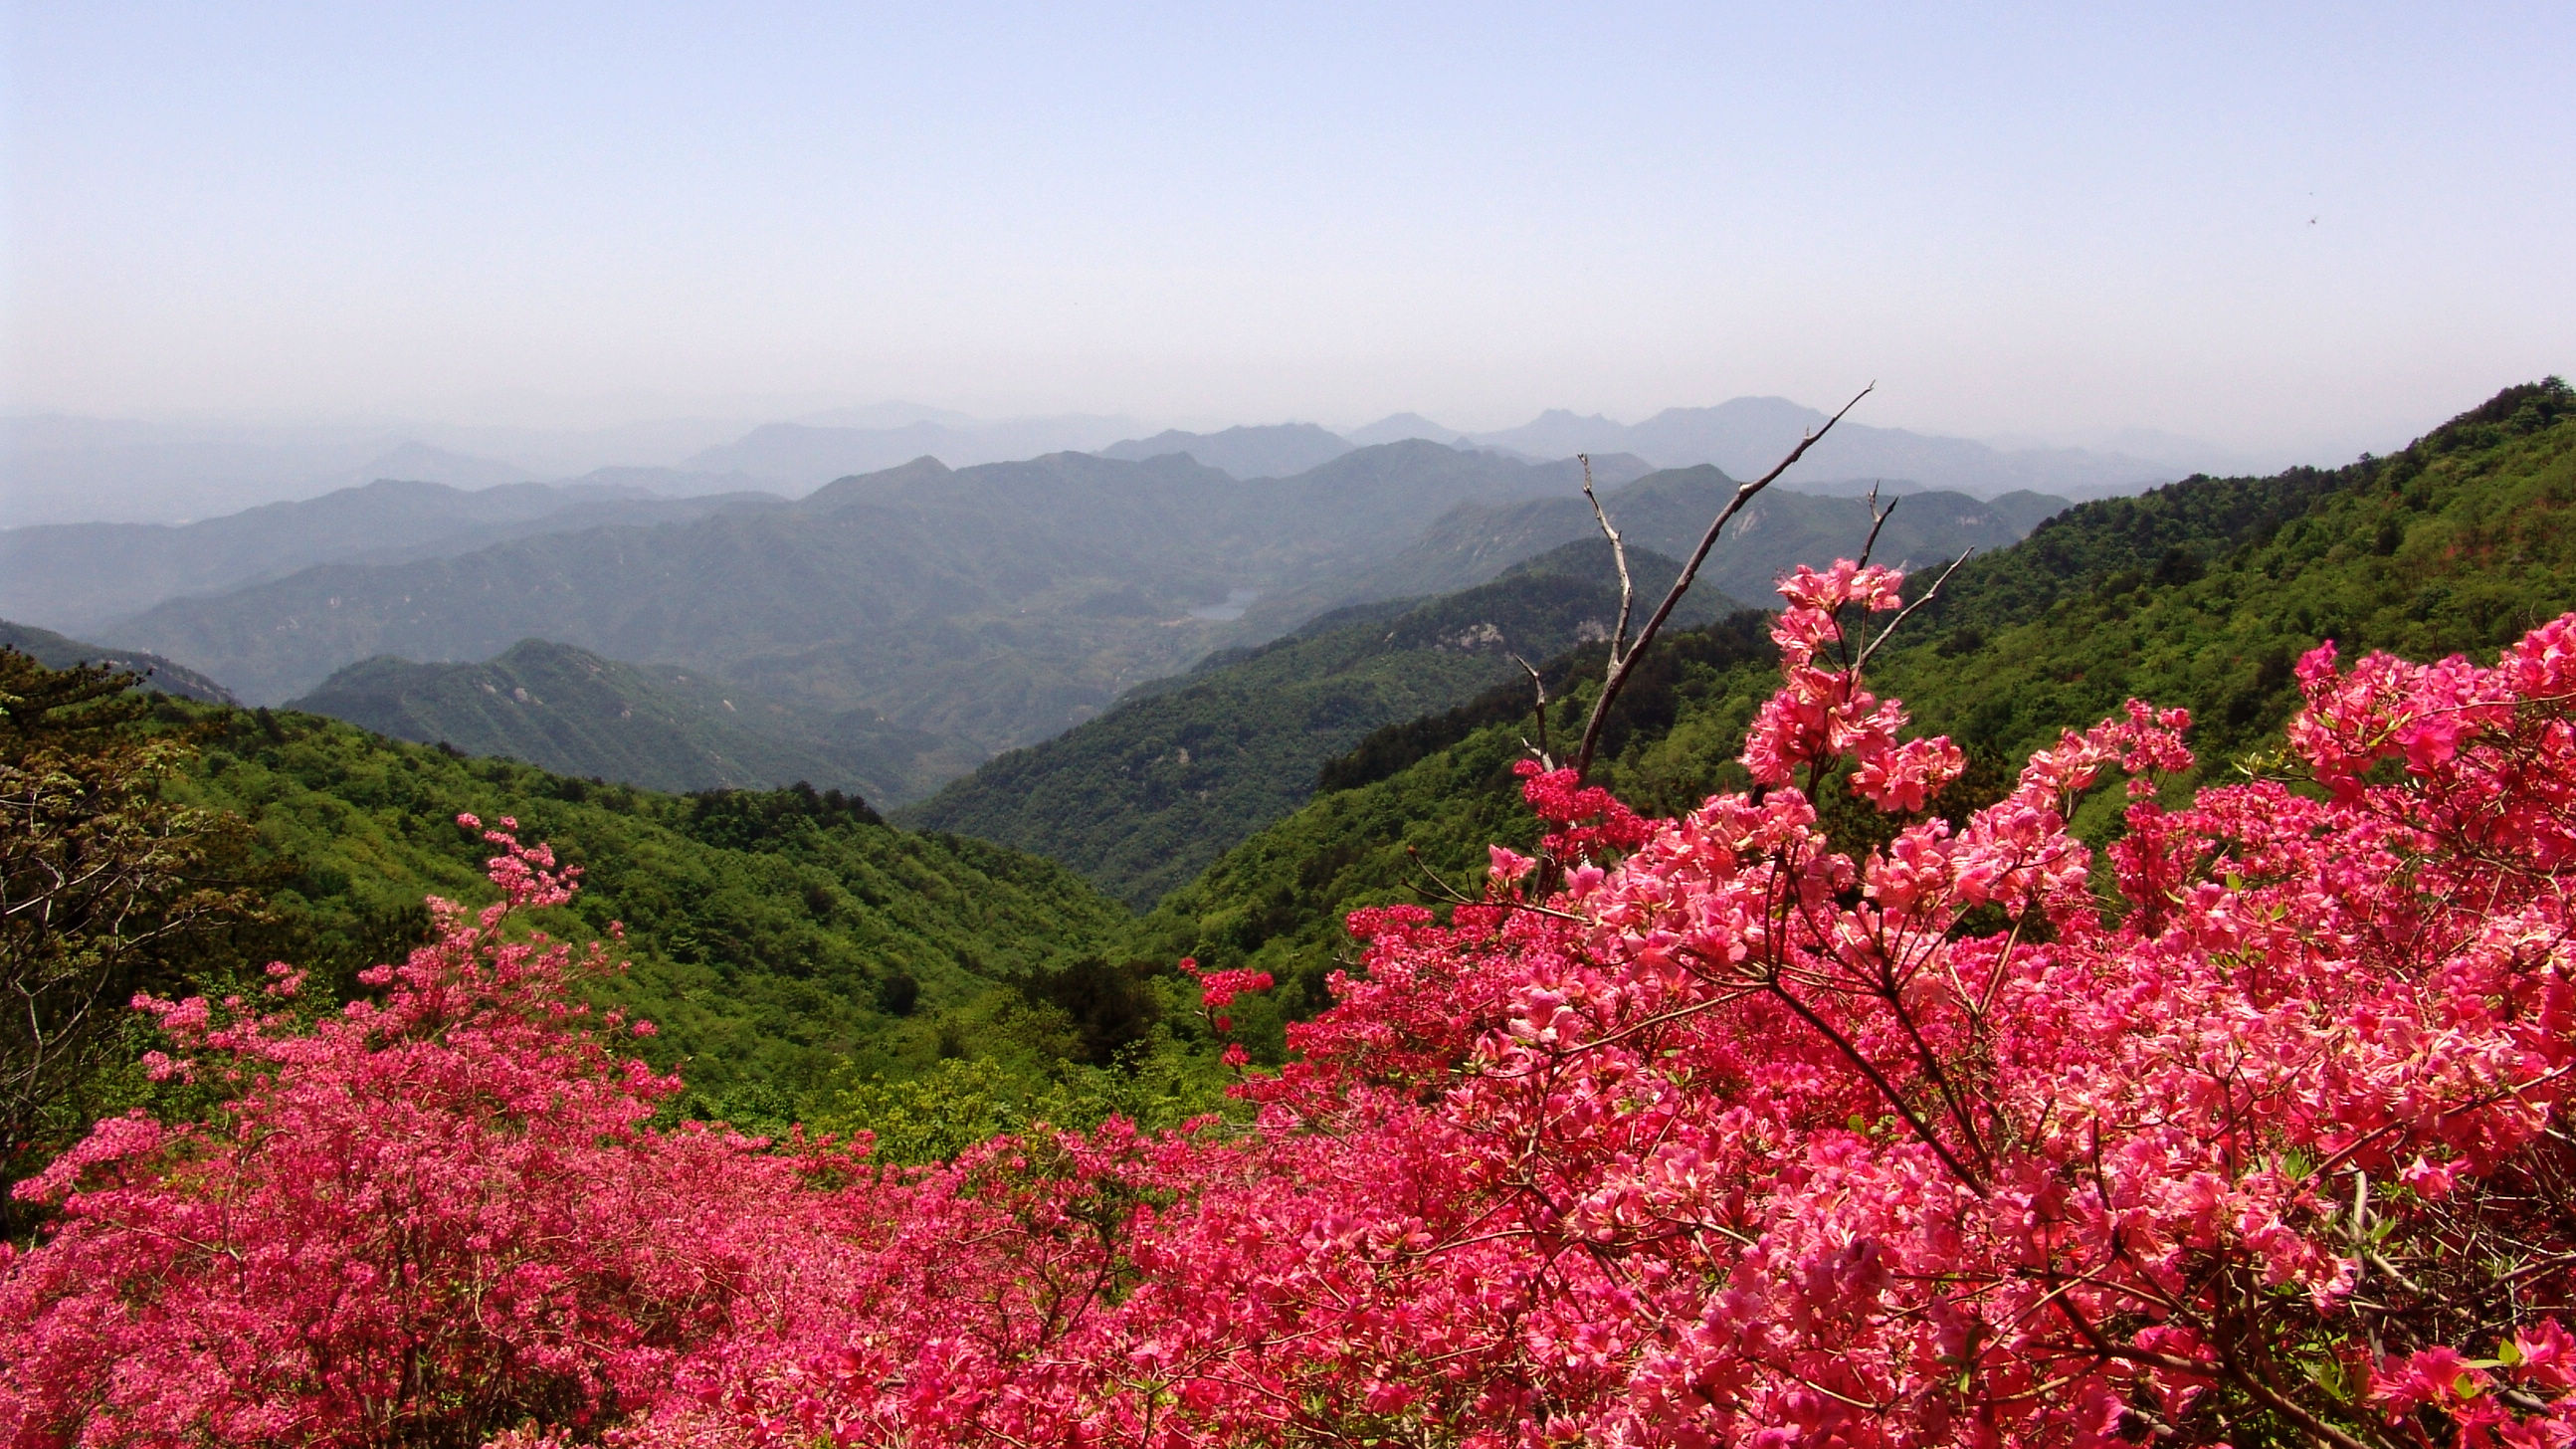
(1823, 715)
(2250, 1125)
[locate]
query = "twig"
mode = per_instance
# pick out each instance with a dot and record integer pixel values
(1907, 612)
(1623, 662)
(1877, 520)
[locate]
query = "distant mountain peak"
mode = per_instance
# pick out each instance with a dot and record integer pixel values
(1397, 427)
(1278, 450)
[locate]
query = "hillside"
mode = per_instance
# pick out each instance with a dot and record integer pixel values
(2201, 594)
(1144, 797)
(56, 652)
(78, 575)
(1667, 512)
(658, 726)
(775, 936)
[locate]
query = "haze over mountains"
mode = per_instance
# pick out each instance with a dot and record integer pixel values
(76, 575)
(885, 632)
(57, 468)
(1742, 437)
(698, 624)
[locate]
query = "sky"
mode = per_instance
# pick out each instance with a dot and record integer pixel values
(2297, 231)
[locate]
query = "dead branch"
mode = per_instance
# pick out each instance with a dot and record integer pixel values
(1623, 657)
(1546, 760)
(1927, 596)
(1618, 555)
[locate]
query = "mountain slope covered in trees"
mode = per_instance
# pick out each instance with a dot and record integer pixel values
(2200, 594)
(659, 726)
(787, 943)
(1142, 798)
(154, 672)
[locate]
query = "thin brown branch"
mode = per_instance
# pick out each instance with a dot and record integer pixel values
(1624, 664)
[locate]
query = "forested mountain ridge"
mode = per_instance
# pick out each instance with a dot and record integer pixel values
(151, 671)
(1145, 796)
(661, 727)
(2201, 594)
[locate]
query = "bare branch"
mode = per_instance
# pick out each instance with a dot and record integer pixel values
(1539, 710)
(1907, 612)
(1619, 556)
(1877, 520)
(1623, 664)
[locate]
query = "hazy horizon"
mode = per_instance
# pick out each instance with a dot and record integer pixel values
(2292, 236)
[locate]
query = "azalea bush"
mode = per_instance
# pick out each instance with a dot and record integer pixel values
(2249, 1126)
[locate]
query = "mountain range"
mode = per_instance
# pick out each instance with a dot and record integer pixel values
(1745, 435)
(58, 468)
(1742, 437)
(78, 575)
(890, 629)
(988, 607)
(1668, 511)
(798, 456)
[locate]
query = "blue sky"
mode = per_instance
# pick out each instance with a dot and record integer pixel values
(2289, 229)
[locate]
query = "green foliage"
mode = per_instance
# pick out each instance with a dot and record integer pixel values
(2204, 594)
(106, 888)
(1143, 798)
(1276, 901)
(960, 1102)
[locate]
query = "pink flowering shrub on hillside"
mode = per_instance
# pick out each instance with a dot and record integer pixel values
(2253, 1130)
(426, 1220)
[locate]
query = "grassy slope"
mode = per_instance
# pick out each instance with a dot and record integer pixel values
(771, 934)
(2199, 594)
(1145, 797)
